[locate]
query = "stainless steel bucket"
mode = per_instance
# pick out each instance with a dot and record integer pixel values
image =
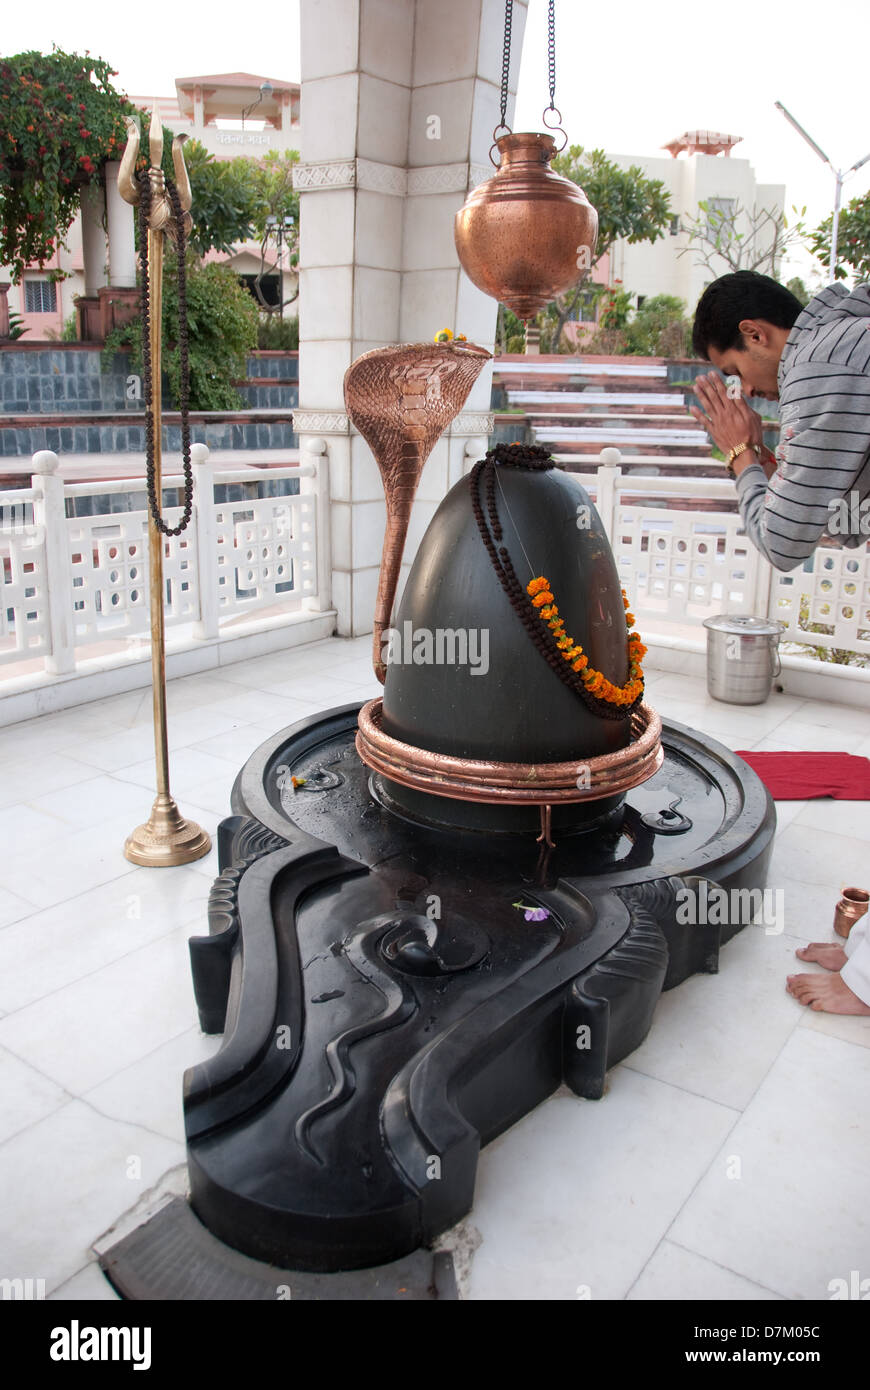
(742, 657)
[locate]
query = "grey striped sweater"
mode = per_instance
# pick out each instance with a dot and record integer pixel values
(824, 446)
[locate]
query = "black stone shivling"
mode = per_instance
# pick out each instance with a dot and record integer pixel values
(400, 976)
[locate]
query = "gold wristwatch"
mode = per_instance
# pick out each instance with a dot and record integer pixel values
(734, 453)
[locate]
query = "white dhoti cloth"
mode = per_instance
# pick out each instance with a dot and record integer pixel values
(856, 971)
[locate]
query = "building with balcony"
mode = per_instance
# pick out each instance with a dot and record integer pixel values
(701, 168)
(231, 114)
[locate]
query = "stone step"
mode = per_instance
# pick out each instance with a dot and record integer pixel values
(649, 400)
(577, 367)
(682, 438)
(110, 432)
(269, 395)
(620, 418)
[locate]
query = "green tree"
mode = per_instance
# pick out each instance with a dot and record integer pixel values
(509, 330)
(659, 328)
(234, 199)
(630, 206)
(853, 240)
(62, 119)
(724, 232)
(277, 200)
(226, 200)
(799, 289)
(222, 318)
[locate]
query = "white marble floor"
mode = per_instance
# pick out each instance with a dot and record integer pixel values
(728, 1158)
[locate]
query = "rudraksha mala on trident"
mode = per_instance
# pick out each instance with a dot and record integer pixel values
(154, 502)
(532, 458)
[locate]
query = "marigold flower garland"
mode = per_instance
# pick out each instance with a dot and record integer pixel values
(595, 682)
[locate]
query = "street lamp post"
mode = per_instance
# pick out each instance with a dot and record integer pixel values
(266, 90)
(280, 227)
(840, 177)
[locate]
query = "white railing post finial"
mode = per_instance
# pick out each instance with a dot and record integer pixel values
(207, 626)
(49, 516)
(607, 477)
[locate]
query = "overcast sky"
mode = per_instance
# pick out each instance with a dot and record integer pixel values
(629, 77)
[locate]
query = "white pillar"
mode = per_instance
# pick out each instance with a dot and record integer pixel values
(399, 101)
(93, 206)
(122, 243)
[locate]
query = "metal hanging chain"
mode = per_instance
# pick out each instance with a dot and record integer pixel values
(551, 53)
(556, 123)
(154, 503)
(503, 126)
(506, 62)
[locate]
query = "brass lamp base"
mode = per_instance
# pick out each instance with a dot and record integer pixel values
(166, 839)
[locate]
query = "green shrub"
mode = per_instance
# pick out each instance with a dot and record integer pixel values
(16, 326)
(222, 319)
(278, 334)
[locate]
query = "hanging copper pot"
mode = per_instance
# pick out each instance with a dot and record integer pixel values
(527, 234)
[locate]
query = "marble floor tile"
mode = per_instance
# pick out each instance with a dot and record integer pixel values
(261, 707)
(812, 867)
(677, 1274)
(87, 1031)
(579, 1193)
(34, 773)
(238, 745)
(851, 818)
(149, 1093)
(28, 1096)
(317, 689)
(77, 862)
(718, 1035)
(25, 827)
(89, 803)
(796, 1216)
(51, 949)
(13, 908)
(278, 666)
(66, 1179)
(796, 733)
(788, 811)
(187, 767)
(88, 1285)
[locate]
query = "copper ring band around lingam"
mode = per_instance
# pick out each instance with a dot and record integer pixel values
(537, 784)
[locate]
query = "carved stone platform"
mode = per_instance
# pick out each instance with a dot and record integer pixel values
(388, 1010)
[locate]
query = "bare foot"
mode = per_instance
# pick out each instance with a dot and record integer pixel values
(824, 953)
(827, 994)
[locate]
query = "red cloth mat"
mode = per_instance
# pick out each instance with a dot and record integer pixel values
(802, 776)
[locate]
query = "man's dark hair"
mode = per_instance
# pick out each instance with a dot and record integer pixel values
(732, 298)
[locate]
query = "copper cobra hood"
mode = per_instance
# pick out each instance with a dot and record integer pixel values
(401, 399)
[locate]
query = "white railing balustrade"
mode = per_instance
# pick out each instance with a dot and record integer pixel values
(72, 587)
(680, 565)
(71, 583)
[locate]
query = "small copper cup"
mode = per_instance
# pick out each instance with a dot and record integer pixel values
(852, 905)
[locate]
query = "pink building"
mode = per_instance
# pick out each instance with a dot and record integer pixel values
(231, 114)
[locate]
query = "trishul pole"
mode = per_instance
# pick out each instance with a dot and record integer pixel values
(166, 838)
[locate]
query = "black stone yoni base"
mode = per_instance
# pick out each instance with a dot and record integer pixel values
(387, 1010)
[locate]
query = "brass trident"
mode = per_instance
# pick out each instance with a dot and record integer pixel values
(162, 217)
(166, 838)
